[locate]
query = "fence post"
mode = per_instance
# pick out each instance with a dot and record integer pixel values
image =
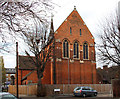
(68, 88)
(63, 89)
(101, 88)
(27, 90)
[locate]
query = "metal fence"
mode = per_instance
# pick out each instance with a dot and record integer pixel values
(64, 88)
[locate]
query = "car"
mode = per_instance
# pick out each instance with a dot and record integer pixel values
(7, 95)
(84, 91)
(4, 88)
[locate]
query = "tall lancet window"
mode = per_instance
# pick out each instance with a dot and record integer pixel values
(65, 49)
(85, 51)
(80, 32)
(70, 30)
(76, 50)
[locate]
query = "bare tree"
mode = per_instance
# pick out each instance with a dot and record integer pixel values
(28, 20)
(41, 44)
(17, 16)
(109, 44)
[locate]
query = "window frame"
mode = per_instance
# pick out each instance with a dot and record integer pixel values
(76, 50)
(66, 44)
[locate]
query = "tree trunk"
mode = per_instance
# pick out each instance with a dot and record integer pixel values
(41, 90)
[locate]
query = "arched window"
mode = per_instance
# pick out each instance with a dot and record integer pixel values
(85, 51)
(70, 30)
(66, 49)
(80, 32)
(76, 50)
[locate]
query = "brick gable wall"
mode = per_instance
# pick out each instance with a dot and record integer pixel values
(80, 71)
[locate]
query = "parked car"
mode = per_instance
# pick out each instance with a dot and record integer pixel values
(84, 91)
(7, 95)
(4, 88)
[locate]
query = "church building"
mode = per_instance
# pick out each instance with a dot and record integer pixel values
(74, 55)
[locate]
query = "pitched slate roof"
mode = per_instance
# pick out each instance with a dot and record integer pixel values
(26, 63)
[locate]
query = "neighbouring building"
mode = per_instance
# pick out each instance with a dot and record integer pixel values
(106, 74)
(2, 71)
(10, 75)
(75, 61)
(26, 71)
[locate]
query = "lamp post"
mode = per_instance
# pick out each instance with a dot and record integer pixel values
(68, 71)
(17, 94)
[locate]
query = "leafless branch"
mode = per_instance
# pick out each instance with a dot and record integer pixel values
(109, 47)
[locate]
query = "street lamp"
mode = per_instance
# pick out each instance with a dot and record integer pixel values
(17, 94)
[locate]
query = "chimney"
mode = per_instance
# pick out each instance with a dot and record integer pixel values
(105, 67)
(99, 68)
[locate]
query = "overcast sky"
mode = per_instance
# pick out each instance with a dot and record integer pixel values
(91, 11)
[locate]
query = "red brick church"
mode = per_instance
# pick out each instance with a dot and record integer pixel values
(75, 61)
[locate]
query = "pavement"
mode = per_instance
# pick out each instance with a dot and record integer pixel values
(99, 96)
